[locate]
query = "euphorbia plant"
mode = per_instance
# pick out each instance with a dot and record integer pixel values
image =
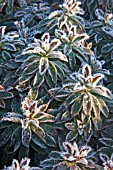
(53, 87)
(42, 60)
(27, 127)
(84, 97)
(71, 157)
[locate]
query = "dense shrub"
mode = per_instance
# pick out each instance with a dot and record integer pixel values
(56, 85)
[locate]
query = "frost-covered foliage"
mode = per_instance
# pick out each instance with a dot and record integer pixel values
(24, 165)
(56, 85)
(72, 157)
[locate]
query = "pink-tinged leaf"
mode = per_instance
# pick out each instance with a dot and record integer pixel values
(54, 44)
(1, 88)
(43, 107)
(86, 70)
(84, 151)
(25, 163)
(74, 167)
(15, 165)
(83, 161)
(68, 147)
(96, 78)
(45, 37)
(55, 13)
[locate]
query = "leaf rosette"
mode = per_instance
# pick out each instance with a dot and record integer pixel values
(67, 14)
(42, 61)
(71, 157)
(28, 128)
(84, 97)
(23, 165)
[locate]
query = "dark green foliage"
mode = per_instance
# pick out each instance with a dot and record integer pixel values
(56, 84)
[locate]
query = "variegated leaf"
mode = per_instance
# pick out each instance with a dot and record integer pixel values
(43, 65)
(87, 103)
(52, 71)
(26, 137)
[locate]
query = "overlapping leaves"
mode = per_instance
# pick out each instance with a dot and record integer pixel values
(27, 127)
(68, 13)
(24, 165)
(71, 157)
(85, 97)
(41, 62)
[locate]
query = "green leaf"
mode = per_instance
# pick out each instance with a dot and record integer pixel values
(23, 152)
(9, 47)
(99, 13)
(77, 19)
(72, 60)
(43, 65)
(38, 80)
(74, 96)
(49, 163)
(62, 94)
(104, 108)
(66, 116)
(5, 136)
(12, 64)
(5, 95)
(107, 141)
(37, 149)
(71, 135)
(22, 57)
(52, 71)
(56, 155)
(60, 71)
(96, 107)
(96, 122)
(38, 141)
(15, 140)
(76, 107)
(6, 55)
(2, 103)
(50, 141)
(49, 81)
(31, 68)
(25, 78)
(107, 48)
(87, 103)
(38, 130)
(49, 129)
(9, 8)
(41, 26)
(26, 137)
